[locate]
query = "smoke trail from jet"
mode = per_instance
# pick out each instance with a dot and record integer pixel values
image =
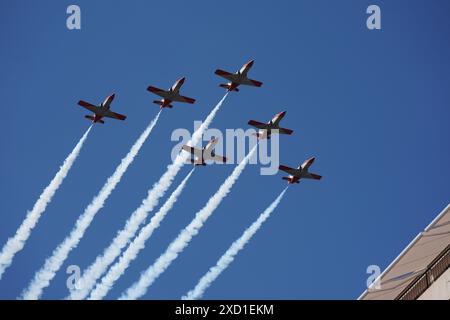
(123, 237)
(140, 287)
(17, 242)
(119, 268)
(230, 254)
(43, 277)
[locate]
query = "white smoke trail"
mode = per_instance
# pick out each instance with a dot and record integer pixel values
(123, 237)
(118, 269)
(17, 242)
(43, 277)
(230, 254)
(140, 287)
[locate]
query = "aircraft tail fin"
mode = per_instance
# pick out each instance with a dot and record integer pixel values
(162, 105)
(93, 119)
(290, 180)
(198, 163)
(228, 87)
(258, 135)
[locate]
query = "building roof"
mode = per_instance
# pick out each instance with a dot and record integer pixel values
(413, 260)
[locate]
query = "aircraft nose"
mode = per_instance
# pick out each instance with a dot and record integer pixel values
(250, 63)
(112, 96)
(182, 80)
(282, 113)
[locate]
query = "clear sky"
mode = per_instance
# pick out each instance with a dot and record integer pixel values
(372, 106)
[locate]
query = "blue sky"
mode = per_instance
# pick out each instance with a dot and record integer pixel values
(372, 106)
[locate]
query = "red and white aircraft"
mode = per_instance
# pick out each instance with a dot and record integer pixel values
(101, 110)
(238, 78)
(173, 94)
(300, 173)
(203, 154)
(266, 128)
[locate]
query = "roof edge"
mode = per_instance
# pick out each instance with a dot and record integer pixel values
(389, 267)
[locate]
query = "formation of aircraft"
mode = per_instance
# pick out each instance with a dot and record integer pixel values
(266, 128)
(200, 156)
(238, 78)
(168, 96)
(301, 172)
(101, 110)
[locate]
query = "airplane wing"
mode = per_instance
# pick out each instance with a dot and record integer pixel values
(219, 158)
(289, 170)
(88, 106)
(255, 83)
(156, 90)
(184, 99)
(225, 74)
(114, 115)
(258, 124)
(312, 176)
(194, 151)
(285, 131)
(216, 157)
(251, 82)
